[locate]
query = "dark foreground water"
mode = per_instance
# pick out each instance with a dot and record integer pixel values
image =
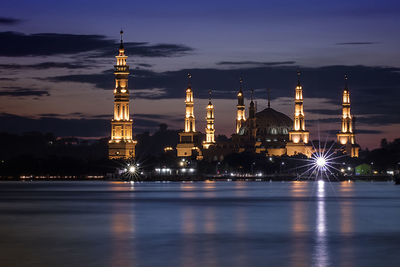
(199, 224)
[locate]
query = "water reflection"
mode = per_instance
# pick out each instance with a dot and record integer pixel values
(299, 190)
(321, 256)
(346, 190)
(122, 235)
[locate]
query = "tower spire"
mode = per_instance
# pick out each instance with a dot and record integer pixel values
(121, 145)
(269, 102)
(189, 76)
(298, 78)
(121, 46)
(346, 135)
(240, 113)
(210, 129)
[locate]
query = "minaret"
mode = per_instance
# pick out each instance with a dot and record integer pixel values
(189, 139)
(189, 118)
(121, 145)
(252, 117)
(240, 116)
(210, 130)
(298, 137)
(346, 135)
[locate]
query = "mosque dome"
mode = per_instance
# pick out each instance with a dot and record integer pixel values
(270, 122)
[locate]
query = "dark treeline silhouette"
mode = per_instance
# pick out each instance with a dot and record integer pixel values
(37, 153)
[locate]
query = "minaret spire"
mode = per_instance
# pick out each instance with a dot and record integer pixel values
(121, 144)
(346, 135)
(240, 113)
(210, 129)
(298, 136)
(121, 46)
(189, 117)
(269, 98)
(298, 78)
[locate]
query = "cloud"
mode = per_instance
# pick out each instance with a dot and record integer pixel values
(82, 125)
(44, 65)
(325, 111)
(13, 44)
(374, 90)
(18, 91)
(357, 43)
(9, 21)
(277, 63)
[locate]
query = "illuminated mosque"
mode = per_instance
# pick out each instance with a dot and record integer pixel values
(267, 132)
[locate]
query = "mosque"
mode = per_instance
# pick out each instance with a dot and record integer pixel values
(267, 132)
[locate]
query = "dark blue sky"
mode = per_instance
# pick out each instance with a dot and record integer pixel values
(53, 54)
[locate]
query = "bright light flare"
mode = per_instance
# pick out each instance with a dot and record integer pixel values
(320, 161)
(132, 169)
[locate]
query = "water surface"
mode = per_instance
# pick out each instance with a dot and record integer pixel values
(199, 224)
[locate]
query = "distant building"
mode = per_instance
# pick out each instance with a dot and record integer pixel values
(121, 145)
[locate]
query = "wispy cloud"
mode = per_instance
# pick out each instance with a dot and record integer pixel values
(9, 21)
(274, 63)
(18, 91)
(357, 43)
(14, 44)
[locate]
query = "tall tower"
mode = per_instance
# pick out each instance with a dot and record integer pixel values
(298, 137)
(252, 117)
(240, 116)
(189, 139)
(210, 130)
(121, 145)
(346, 136)
(189, 118)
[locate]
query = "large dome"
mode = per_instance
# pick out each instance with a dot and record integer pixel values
(270, 122)
(271, 118)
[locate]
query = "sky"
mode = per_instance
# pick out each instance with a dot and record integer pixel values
(56, 62)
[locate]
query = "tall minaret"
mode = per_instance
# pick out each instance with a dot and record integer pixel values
(299, 133)
(240, 117)
(189, 117)
(299, 136)
(252, 117)
(210, 130)
(121, 144)
(346, 135)
(189, 139)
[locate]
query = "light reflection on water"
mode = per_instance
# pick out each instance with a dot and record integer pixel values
(321, 256)
(199, 224)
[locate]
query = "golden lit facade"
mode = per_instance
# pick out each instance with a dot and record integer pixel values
(189, 139)
(346, 136)
(299, 136)
(210, 129)
(240, 116)
(121, 145)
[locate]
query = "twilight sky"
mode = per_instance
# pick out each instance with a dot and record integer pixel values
(56, 62)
